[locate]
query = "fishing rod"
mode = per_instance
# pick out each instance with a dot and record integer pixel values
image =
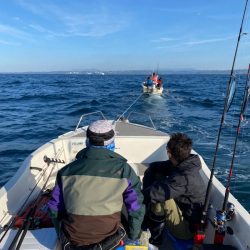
(227, 211)
(241, 118)
(26, 224)
(11, 223)
(199, 237)
(29, 216)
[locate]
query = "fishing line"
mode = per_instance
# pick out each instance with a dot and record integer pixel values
(240, 152)
(241, 117)
(228, 209)
(241, 149)
(122, 115)
(176, 102)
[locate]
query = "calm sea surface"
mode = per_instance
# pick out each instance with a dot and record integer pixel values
(37, 108)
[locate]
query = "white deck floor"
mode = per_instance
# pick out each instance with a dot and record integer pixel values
(40, 239)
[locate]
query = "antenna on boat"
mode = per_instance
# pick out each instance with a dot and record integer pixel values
(227, 211)
(122, 115)
(200, 235)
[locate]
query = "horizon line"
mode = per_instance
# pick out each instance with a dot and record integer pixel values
(97, 71)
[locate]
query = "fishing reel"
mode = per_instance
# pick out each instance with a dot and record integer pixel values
(230, 211)
(222, 216)
(219, 221)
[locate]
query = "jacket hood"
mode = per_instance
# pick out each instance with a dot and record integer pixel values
(192, 162)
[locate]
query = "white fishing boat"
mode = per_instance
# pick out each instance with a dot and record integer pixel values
(140, 145)
(152, 89)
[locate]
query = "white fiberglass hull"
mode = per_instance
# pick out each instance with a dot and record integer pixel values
(139, 145)
(152, 90)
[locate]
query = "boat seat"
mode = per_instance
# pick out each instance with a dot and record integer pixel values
(139, 168)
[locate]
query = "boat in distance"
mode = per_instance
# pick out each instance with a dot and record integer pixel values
(140, 145)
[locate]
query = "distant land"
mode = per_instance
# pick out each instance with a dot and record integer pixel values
(133, 72)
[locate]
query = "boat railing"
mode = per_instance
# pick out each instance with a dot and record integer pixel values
(149, 117)
(119, 118)
(88, 114)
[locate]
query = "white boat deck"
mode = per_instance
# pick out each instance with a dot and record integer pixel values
(39, 239)
(141, 146)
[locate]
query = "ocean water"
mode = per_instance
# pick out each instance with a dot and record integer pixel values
(37, 108)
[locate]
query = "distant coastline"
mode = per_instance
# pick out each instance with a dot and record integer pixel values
(133, 72)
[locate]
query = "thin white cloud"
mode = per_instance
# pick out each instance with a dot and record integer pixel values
(70, 20)
(174, 46)
(14, 32)
(38, 28)
(206, 41)
(194, 43)
(164, 39)
(228, 17)
(91, 24)
(72, 30)
(195, 11)
(43, 30)
(8, 43)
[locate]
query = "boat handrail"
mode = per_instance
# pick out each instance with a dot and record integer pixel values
(88, 114)
(150, 119)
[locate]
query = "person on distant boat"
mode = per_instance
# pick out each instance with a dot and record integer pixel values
(90, 192)
(148, 82)
(154, 78)
(159, 83)
(174, 191)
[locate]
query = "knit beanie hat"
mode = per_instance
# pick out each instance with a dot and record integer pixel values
(100, 133)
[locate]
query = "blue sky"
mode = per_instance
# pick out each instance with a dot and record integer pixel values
(48, 35)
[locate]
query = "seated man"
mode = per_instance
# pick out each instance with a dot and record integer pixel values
(174, 191)
(159, 83)
(90, 192)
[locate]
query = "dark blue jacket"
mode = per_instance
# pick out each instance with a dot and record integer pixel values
(183, 183)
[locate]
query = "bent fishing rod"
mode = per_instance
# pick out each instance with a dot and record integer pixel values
(227, 211)
(225, 109)
(241, 118)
